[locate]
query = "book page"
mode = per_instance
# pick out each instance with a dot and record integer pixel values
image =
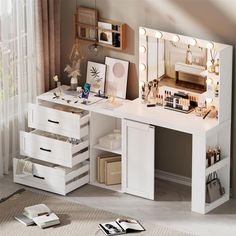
(112, 228)
(127, 224)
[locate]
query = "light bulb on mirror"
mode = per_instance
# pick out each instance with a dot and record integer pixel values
(210, 45)
(209, 63)
(175, 38)
(142, 31)
(142, 49)
(142, 67)
(159, 35)
(208, 81)
(209, 100)
(193, 42)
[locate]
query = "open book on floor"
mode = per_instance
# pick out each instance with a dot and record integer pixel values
(121, 226)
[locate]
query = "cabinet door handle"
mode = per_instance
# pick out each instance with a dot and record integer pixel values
(53, 121)
(46, 150)
(38, 177)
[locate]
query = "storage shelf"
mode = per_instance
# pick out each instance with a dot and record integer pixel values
(99, 147)
(116, 187)
(222, 163)
(220, 201)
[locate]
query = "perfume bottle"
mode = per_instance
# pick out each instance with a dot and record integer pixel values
(216, 90)
(217, 67)
(189, 56)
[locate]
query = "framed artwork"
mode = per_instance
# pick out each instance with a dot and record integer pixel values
(104, 35)
(116, 77)
(96, 75)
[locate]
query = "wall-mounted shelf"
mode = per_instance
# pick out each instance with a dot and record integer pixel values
(107, 33)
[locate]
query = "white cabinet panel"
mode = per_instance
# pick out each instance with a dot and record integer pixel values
(139, 159)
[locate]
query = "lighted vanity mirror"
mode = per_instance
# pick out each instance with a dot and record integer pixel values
(202, 69)
(177, 61)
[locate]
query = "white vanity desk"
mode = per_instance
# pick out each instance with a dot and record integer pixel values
(204, 132)
(138, 144)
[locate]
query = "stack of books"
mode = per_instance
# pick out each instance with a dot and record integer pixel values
(40, 215)
(109, 169)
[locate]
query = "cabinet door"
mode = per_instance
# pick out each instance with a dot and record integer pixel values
(138, 162)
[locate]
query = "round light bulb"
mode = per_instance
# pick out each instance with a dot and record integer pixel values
(210, 45)
(159, 35)
(142, 67)
(208, 81)
(175, 38)
(209, 63)
(142, 31)
(141, 84)
(209, 100)
(193, 42)
(142, 49)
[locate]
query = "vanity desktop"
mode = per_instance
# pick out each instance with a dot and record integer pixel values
(137, 122)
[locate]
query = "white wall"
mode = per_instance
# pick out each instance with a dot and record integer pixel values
(207, 19)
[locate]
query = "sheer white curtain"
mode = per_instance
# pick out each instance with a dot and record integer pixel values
(17, 74)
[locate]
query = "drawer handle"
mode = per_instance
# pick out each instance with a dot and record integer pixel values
(54, 122)
(46, 150)
(38, 177)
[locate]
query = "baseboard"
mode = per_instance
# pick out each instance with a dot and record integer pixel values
(173, 177)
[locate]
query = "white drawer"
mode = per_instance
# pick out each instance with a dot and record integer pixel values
(44, 146)
(57, 121)
(54, 178)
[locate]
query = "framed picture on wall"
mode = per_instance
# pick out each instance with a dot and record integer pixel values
(116, 77)
(96, 75)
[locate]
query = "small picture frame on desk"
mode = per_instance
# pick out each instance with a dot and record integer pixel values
(116, 77)
(96, 75)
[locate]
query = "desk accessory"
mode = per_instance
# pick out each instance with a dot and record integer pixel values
(151, 105)
(206, 114)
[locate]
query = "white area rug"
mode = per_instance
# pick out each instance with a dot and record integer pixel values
(75, 219)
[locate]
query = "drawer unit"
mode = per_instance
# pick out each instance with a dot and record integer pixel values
(57, 121)
(54, 178)
(53, 148)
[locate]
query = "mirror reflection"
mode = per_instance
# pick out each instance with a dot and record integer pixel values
(177, 65)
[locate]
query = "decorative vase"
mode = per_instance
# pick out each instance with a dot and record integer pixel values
(73, 83)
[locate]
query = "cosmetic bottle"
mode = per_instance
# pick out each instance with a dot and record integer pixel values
(217, 67)
(218, 154)
(216, 90)
(212, 66)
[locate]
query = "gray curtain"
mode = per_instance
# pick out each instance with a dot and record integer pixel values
(47, 42)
